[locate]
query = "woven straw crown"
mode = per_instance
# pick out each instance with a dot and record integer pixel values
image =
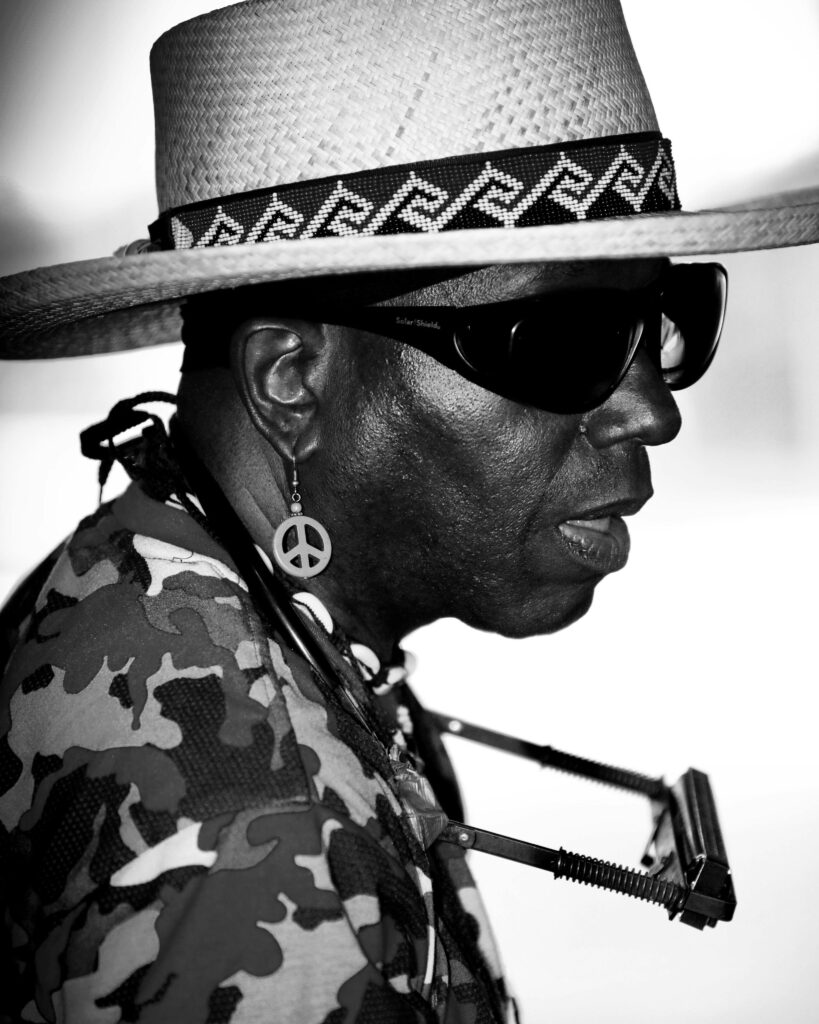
(266, 93)
(301, 139)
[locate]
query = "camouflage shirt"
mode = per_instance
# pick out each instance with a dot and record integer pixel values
(194, 829)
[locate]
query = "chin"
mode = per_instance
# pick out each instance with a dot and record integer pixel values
(538, 616)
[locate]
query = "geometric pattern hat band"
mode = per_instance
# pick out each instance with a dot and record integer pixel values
(591, 179)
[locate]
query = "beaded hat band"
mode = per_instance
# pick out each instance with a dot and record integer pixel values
(588, 180)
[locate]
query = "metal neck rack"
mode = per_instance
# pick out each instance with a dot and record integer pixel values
(688, 870)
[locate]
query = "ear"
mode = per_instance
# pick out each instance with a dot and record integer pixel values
(275, 366)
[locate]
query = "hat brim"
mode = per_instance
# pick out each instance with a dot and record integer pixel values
(124, 302)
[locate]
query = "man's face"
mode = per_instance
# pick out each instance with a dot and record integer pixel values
(444, 499)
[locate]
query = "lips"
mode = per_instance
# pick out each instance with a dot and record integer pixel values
(599, 539)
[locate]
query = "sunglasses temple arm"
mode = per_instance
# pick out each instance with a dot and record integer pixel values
(395, 323)
(621, 778)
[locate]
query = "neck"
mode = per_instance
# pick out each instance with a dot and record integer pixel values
(360, 620)
(354, 606)
(346, 588)
(253, 479)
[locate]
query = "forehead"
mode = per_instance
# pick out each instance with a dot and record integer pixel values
(519, 281)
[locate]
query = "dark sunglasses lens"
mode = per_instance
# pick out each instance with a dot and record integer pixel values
(564, 358)
(689, 328)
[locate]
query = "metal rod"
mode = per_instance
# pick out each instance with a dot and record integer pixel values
(573, 866)
(550, 757)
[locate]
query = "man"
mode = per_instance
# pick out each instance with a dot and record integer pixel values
(222, 801)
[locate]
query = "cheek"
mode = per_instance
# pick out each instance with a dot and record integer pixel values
(455, 463)
(501, 462)
(492, 437)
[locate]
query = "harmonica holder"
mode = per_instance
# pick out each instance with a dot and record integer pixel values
(687, 866)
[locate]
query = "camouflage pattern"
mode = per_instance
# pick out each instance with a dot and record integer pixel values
(193, 830)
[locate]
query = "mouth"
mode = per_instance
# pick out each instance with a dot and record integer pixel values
(598, 538)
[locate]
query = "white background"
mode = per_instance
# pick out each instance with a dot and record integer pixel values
(703, 651)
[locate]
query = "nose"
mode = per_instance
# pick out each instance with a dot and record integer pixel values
(642, 409)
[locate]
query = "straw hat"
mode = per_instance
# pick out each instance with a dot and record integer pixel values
(300, 139)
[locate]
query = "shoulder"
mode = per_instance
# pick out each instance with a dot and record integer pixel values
(183, 768)
(143, 663)
(149, 653)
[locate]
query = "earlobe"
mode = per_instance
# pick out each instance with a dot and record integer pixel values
(270, 362)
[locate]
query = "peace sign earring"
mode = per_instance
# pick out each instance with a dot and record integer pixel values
(301, 545)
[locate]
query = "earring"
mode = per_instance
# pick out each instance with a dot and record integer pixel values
(303, 557)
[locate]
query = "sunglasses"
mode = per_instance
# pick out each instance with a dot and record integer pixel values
(566, 352)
